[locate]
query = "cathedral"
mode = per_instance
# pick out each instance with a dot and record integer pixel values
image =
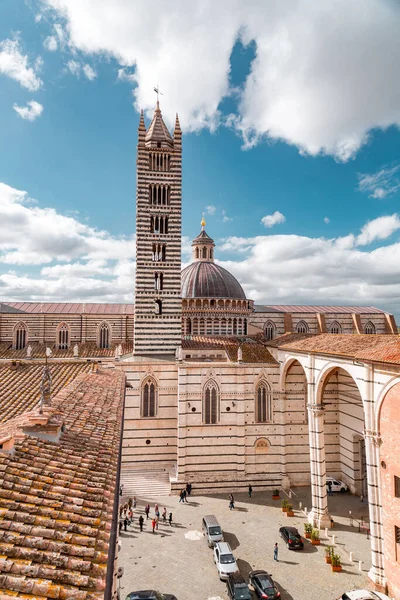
(223, 392)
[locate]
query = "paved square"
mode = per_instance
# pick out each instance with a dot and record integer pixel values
(177, 560)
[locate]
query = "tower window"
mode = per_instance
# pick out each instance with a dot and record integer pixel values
(149, 398)
(104, 336)
(210, 403)
(263, 403)
(370, 328)
(335, 327)
(20, 336)
(302, 327)
(269, 330)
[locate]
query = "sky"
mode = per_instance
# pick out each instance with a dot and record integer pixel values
(290, 115)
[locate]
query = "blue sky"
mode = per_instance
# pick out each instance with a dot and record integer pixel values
(291, 144)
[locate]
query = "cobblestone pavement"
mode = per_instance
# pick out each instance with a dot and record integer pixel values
(177, 559)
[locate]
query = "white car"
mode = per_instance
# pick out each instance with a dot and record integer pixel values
(363, 595)
(224, 559)
(337, 485)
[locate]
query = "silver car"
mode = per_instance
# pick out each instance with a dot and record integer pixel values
(224, 559)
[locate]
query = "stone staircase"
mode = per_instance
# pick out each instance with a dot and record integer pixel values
(145, 483)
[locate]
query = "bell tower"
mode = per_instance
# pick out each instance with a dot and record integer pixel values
(158, 304)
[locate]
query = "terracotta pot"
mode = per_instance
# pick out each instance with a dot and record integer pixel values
(289, 513)
(328, 560)
(308, 536)
(336, 569)
(315, 542)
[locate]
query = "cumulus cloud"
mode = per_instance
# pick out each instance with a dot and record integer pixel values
(274, 219)
(384, 182)
(14, 64)
(316, 80)
(30, 112)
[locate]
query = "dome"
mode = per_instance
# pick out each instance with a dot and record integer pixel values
(205, 279)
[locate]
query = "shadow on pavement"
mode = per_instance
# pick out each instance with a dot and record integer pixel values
(231, 539)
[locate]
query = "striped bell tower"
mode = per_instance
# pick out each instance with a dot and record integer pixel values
(158, 304)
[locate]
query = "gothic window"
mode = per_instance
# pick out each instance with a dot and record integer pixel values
(335, 327)
(104, 335)
(63, 336)
(370, 328)
(302, 327)
(20, 336)
(269, 330)
(263, 403)
(210, 403)
(149, 398)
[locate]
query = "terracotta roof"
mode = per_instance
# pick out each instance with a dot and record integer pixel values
(295, 308)
(88, 308)
(56, 498)
(20, 387)
(377, 348)
(203, 279)
(86, 350)
(252, 350)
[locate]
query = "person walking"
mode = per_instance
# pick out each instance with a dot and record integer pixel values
(147, 510)
(276, 552)
(164, 514)
(170, 519)
(250, 490)
(153, 524)
(141, 521)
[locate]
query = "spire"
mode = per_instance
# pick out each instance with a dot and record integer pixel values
(157, 135)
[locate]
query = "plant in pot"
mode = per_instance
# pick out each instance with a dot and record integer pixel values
(329, 550)
(336, 563)
(289, 511)
(307, 530)
(275, 494)
(315, 537)
(284, 505)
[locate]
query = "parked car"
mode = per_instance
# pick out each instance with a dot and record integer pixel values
(224, 560)
(363, 595)
(237, 587)
(292, 538)
(263, 585)
(337, 485)
(150, 595)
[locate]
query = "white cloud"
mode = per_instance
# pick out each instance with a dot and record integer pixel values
(322, 77)
(89, 72)
(14, 64)
(50, 43)
(384, 182)
(327, 220)
(274, 219)
(378, 229)
(211, 209)
(30, 112)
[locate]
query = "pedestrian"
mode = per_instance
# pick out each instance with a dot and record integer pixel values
(125, 524)
(134, 502)
(147, 510)
(153, 524)
(250, 490)
(141, 521)
(276, 552)
(164, 514)
(330, 493)
(170, 519)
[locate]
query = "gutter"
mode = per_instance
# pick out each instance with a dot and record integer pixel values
(115, 517)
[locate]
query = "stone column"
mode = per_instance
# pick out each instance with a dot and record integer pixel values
(372, 445)
(319, 514)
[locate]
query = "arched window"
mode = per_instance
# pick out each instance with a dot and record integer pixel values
(104, 335)
(263, 403)
(149, 398)
(335, 327)
(269, 330)
(302, 327)
(63, 336)
(370, 328)
(210, 403)
(20, 336)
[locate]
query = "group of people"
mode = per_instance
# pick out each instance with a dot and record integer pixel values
(126, 515)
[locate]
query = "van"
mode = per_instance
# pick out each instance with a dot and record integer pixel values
(212, 530)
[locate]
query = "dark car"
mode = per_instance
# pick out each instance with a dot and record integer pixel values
(263, 585)
(237, 587)
(292, 538)
(150, 595)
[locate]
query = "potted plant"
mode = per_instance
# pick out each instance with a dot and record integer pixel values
(336, 565)
(315, 537)
(328, 554)
(289, 510)
(275, 494)
(307, 530)
(284, 505)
